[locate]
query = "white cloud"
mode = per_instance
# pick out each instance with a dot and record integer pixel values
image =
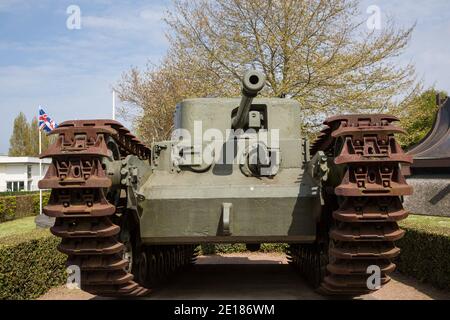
(107, 23)
(143, 18)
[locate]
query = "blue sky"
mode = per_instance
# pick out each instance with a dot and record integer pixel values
(71, 72)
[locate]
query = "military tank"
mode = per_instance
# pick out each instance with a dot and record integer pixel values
(234, 171)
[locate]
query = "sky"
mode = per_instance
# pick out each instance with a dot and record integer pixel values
(45, 59)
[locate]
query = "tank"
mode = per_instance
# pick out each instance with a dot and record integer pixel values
(234, 171)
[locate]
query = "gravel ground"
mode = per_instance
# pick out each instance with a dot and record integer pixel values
(256, 276)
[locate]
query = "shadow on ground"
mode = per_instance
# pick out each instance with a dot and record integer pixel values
(256, 276)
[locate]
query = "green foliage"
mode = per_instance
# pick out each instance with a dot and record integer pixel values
(8, 207)
(14, 207)
(417, 117)
(20, 139)
(435, 225)
(425, 256)
(425, 250)
(209, 249)
(30, 265)
(24, 141)
(45, 198)
(17, 193)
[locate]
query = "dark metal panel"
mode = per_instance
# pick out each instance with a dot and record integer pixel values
(434, 149)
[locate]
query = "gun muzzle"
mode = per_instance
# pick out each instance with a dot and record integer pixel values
(252, 83)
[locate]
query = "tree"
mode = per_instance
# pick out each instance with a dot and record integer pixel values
(20, 138)
(418, 115)
(157, 90)
(24, 141)
(317, 52)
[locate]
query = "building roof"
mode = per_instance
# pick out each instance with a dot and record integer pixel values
(22, 160)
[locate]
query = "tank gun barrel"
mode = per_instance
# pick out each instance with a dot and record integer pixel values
(252, 83)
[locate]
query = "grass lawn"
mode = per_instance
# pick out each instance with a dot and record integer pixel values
(17, 227)
(436, 225)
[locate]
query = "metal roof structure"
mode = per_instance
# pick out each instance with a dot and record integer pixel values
(433, 151)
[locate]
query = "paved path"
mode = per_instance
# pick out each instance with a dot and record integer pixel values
(256, 276)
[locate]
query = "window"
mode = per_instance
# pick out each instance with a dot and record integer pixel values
(29, 169)
(29, 186)
(15, 186)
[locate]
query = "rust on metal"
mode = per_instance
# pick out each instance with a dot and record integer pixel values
(365, 222)
(85, 217)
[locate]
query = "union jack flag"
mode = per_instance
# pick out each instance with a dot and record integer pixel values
(45, 122)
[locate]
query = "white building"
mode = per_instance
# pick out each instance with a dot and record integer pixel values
(21, 173)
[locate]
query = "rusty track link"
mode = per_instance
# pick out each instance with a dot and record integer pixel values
(84, 214)
(363, 227)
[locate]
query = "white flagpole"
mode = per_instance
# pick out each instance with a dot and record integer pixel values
(40, 170)
(114, 105)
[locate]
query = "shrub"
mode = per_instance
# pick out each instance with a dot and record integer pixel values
(17, 193)
(30, 265)
(8, 207)
(426, 252)
(20, 206)
(45, 198)
(208, 249)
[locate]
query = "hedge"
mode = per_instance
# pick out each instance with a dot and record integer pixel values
(17, 193)
(20, 206)
(426, 251)
(30, 265)
(209, 249)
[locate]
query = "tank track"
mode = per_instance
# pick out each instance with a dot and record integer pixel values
(362, 208)
(88, 212)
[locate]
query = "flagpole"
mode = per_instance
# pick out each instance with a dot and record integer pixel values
(114, 104)
(40, 170)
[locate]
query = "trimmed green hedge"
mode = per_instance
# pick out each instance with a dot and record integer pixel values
(20, 206)
(30, 265)
(210, 249)
(8, 206)
(426, 250)
(17, 193)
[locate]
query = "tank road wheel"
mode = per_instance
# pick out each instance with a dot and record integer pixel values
(161, 267)
(153, 270)
(173, 259)
(143, 269)
(366, 203)
(167, 261)
(86, 202)
(179, 257)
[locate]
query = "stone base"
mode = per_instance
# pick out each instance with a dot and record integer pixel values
(431, 195)
(44, 222)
